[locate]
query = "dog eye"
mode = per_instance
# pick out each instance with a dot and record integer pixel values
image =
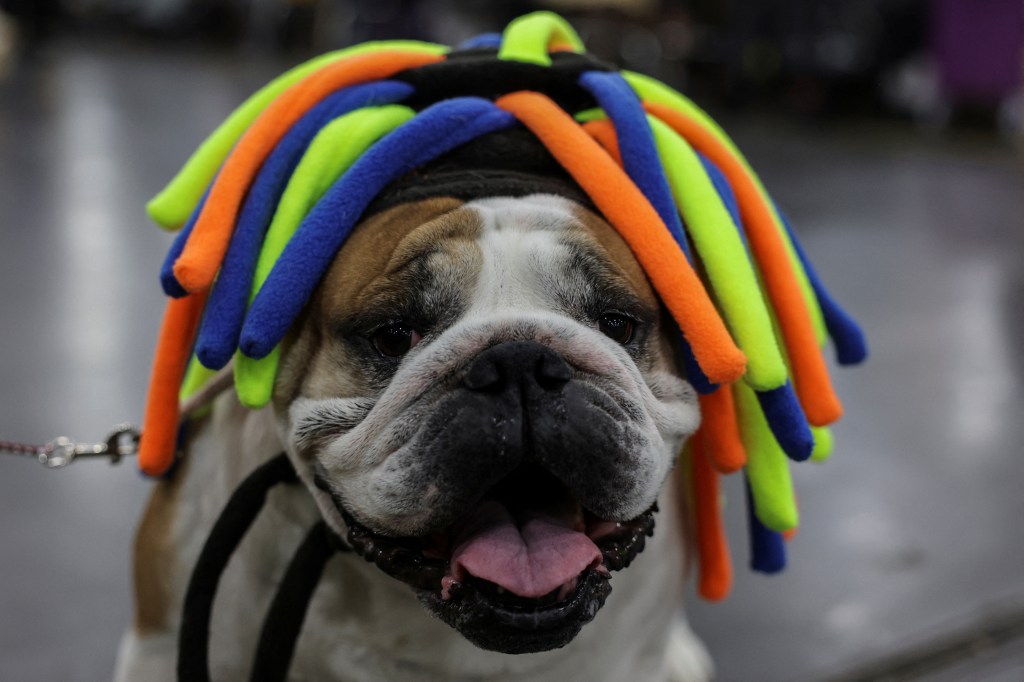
(618, 328)
(395, 339)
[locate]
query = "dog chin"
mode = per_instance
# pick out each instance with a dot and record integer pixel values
(470, 574)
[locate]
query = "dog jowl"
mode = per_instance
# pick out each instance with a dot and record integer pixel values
(485, 400)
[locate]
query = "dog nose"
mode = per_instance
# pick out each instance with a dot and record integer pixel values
(514, 362)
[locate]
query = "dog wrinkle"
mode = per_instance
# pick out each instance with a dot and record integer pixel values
(429, 252)
(371, 249)
(588, 352)
(316, 423)
(440, 366)
(543, 267)
(370, 275)
(390, 499)
(518, 243)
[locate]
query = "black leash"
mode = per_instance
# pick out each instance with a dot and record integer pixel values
(287, 611)
(123, 441)
(284, 617)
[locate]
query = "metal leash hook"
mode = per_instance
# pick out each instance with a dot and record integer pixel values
(123, 441)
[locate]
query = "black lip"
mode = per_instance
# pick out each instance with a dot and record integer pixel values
(485, 619)
(400, 558)
(490, 625)
(403, 558)
(619, 550)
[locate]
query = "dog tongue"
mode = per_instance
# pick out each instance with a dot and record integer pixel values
(530, 558)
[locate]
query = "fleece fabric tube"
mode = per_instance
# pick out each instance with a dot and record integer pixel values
(196, 377)
(636, 146)
(222, 324)
(767, 465)
(331, 153)
(767, 547)
(810, 375)
(254, 377)
(633, 217)
(729, 270)
(485, 41)
(173, 205)
(787, 421)
(822, 443)
(850, 342)
(694, 374)
(725, 193)
(160, 424)
(168, 281)
(603, 131)
(721, 432)
(202, 256)
(436, 130)
(653, 92)
(714, 564)
(530, 38)
(718, 240)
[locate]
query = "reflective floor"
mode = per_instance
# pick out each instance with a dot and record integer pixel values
(910, 560)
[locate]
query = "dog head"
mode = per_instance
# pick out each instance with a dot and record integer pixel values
(484, 399)
(482, 393)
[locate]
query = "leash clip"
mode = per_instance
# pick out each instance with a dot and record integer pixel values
(58, 453)
(123, 441)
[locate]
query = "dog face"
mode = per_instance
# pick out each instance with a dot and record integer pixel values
(484, 399)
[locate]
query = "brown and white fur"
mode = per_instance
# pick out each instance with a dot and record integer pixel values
(498, 264)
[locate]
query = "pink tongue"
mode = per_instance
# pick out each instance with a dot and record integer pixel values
(530, 560)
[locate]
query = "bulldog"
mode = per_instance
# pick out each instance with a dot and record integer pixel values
(484, 400)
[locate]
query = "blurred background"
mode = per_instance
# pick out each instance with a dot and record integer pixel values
(890, 132)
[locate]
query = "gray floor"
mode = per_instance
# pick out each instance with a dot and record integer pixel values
(911, 545)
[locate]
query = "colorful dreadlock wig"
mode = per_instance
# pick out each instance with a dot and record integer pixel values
(266, 202)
